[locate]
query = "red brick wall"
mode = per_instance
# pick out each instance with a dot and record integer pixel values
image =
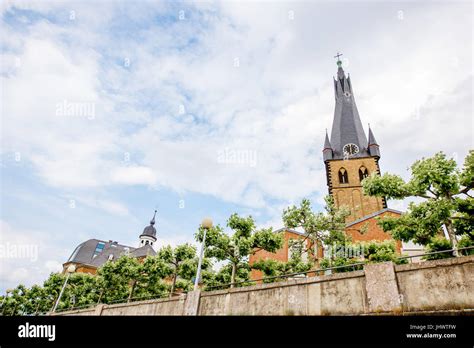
(280, 255)
(374, 231)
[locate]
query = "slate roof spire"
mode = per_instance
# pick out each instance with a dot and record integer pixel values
(327, 150)
(372, 144)
(347, 126)
(150, 230)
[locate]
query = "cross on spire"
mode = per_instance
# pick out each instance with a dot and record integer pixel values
(338, 55)
(152, 222)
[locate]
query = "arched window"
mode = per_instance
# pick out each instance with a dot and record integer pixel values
(147, 242)
(343, 178)
(363, 173)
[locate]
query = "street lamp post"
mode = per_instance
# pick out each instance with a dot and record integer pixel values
(69, 270)
(206, 224)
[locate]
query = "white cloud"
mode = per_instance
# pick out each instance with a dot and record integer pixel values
(31, 266)
(277, 102)
(133, 176)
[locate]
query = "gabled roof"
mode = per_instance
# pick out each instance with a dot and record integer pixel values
(373, 215)
(145, 250)
(284, 229)
(85, 253)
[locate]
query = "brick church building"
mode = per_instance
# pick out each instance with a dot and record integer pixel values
(349, 157)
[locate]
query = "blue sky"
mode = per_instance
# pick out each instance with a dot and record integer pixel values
(164, 93)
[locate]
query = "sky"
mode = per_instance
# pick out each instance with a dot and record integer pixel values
(112, 109)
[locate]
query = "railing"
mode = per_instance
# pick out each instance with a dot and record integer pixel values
(319, 271)
(285, 276)
(433, 253)
(324, 270)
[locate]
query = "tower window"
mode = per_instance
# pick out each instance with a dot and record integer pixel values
(147, 242)
(363, 173)
(343, 178)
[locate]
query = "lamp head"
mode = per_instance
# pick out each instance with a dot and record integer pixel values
(206, 223)
(71, 269)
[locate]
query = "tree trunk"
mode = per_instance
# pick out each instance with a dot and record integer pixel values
(232, 277)
(131, 291)
(173, 284)
(100, 295)
(452, 237)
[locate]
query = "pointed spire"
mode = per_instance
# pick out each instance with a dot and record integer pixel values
(347, 127)
(148, 235)
(327, 150)
(372, 140)
(327, 143)
(152, 222)
(372, 145)
(340, 71)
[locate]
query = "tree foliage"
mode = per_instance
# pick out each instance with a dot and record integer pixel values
(296, 263)
(446, 191)
(361, 252)
(236, 248)
(320, 228)
(181, 263)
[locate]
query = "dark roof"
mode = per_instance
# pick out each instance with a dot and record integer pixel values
(373, 215)
(87, 253)
(145, 250)
(150, 230)
(373, 146)
(372, 140)
(327, 150)
(347, 126)
(284, 229)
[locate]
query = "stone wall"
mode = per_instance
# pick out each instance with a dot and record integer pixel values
(434, 285)
(439, 285)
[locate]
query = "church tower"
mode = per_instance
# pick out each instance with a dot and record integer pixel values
(148, 237)
(348, 155)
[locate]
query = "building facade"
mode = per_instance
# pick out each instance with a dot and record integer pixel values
(88, 256)
(349, 157)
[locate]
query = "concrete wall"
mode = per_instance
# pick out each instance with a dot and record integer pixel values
(334, 294)
(380, 288)
(173, 306)
(439, 284)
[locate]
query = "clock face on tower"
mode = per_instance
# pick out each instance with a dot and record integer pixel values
(350, 149)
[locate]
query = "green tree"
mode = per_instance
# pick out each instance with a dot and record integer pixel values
(447, 200)
(15, 302)
(152, 275)
(320, 228)
(119, 278)
(362, 252)
(274, 268)
(244, 241)
(182, 264)
(216, 280)
(37, 300)
(81, 290)
(52, 287)
(437, 244)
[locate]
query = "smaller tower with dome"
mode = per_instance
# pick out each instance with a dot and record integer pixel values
(93, 253)
(148, 237)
